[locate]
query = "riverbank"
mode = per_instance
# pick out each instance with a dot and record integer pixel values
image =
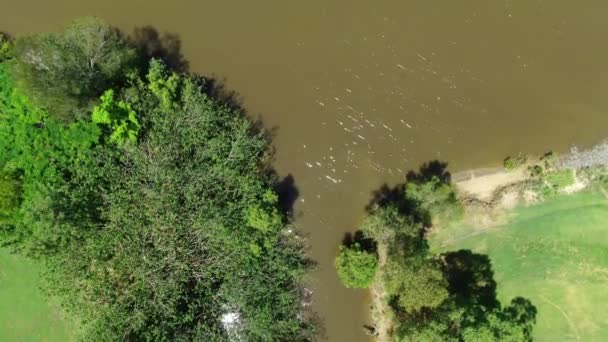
(553, 252)
(474, 188)
(498, 204)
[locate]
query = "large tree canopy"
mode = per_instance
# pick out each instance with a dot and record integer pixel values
(153, 212)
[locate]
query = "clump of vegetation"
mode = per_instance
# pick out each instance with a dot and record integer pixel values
(545, 165)
(554, 182)
(5, 47)
(154, 214)
(437, 297)
(547, 179)
(548, 160)
(536, 171)
(356, 267)
(511, 163)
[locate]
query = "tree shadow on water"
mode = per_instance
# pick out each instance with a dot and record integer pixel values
(166, 47)
(358, 238)
(434, 168)
(288, 193)
(217, 89)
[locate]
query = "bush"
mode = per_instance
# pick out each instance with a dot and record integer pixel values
(511, 163)
(356, 267)
(536, 171)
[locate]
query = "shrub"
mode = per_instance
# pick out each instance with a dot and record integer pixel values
(356, 267)
(555, 182)
(511, 163)
(536, 171)
(5, 48)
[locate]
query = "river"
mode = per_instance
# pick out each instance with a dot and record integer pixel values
(360, 92)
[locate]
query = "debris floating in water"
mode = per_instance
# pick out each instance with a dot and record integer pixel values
(335, 181)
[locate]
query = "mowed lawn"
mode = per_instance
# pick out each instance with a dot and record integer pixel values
(25, 313)
(556, 255)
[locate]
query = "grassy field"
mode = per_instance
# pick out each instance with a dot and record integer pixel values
(555, 254)
(25, 314)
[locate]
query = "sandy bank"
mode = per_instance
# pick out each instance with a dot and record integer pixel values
(483, 183)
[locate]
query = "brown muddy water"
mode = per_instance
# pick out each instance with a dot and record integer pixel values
(363, 91)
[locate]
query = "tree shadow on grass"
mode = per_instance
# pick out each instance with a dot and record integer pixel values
(473, 288)
(471, 278)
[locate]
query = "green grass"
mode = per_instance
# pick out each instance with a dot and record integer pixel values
(555, 254)
(25, 313)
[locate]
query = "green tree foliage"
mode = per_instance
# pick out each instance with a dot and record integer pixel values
(387, 223)
(155, 215)
(10, 196)
(44, 152)
(356, 267)
(434, 197)
(65, 71)
(118, 117)
(414, 285)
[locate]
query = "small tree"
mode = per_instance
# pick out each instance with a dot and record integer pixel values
(356, 267)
